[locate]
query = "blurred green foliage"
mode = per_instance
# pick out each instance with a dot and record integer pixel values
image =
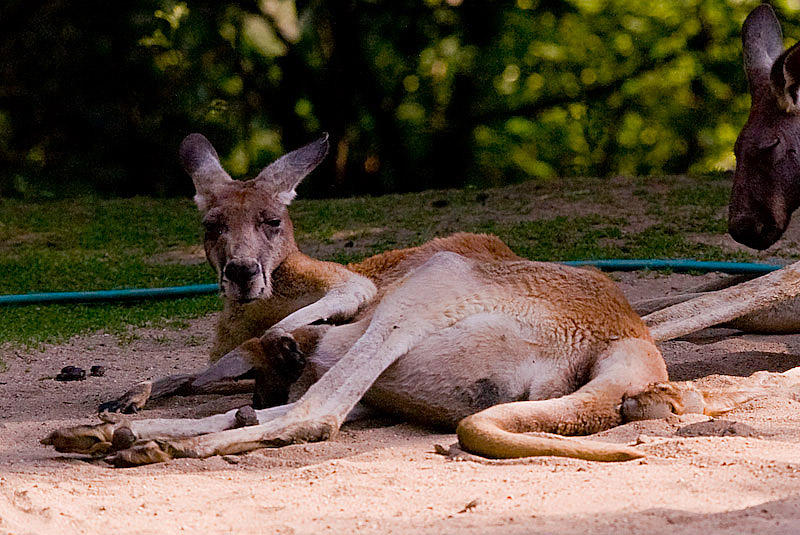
(415, 93)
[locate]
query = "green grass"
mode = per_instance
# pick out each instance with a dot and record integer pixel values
(91, 244)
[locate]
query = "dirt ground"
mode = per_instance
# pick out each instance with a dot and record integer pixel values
(383, 476)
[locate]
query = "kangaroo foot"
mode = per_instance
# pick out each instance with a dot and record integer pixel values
(228, 442)
(661, 400)
(95, 440)
(149, 452)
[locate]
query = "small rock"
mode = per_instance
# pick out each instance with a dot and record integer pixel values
(97, 371)
(123, 438)
(71, 373)
(246, 416)
(717, 428)
(470, 506)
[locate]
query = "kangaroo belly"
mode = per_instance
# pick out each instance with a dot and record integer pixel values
(479, 335)
(482, 360)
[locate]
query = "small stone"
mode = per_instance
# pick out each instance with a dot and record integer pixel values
(97, 371)
(123, 438)
(246, 416)
(71, 373)
(717, 428)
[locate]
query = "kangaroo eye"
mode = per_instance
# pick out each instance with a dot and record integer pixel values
(214, 228)
(272, 222)
(770, 145)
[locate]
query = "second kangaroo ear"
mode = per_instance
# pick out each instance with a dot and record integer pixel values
(785, 78)
(284, 174)
(762, 43)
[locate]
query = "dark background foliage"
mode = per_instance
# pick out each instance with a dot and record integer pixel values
(96, 96)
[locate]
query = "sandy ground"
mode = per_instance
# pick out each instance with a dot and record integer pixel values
(383, 476)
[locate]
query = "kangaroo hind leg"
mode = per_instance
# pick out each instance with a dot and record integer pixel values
(532, 428)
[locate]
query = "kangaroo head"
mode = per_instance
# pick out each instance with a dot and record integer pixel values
(766, 183)
(248, 232)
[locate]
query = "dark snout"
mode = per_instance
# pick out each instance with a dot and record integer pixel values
(757, 212)
(241, 271)
(243, 278)
(757, 232)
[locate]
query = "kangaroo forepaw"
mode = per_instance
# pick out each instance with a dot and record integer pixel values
(289, 360)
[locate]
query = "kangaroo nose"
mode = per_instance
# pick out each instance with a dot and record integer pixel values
(241, 271)
(749, 231)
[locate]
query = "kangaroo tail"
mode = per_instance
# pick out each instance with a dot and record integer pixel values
(525, 428)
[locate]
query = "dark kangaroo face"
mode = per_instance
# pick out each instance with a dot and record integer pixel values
(248, 232)
(766, 183)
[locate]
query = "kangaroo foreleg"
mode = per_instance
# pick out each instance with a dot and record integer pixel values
(340, 303)
(233, 365)
(277, 360)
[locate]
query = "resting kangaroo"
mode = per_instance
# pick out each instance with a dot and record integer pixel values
(459, 332)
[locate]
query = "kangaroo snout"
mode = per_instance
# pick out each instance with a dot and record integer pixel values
(243, 279)
(753, 231)
(242, 271)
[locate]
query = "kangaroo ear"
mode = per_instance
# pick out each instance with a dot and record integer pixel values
(201, 162)
(785, 77)
(284, 174)
(762, 43)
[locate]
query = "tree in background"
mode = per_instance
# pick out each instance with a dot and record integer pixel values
(415, 94)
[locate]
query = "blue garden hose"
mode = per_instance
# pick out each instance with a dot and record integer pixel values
(680, 265)
(108, 295)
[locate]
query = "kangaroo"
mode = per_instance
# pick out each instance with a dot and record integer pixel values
(766, 182)
(459, 333)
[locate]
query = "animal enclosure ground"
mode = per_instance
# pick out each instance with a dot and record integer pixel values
(383, 476)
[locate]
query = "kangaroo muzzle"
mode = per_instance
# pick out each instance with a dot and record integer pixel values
(243, 279)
